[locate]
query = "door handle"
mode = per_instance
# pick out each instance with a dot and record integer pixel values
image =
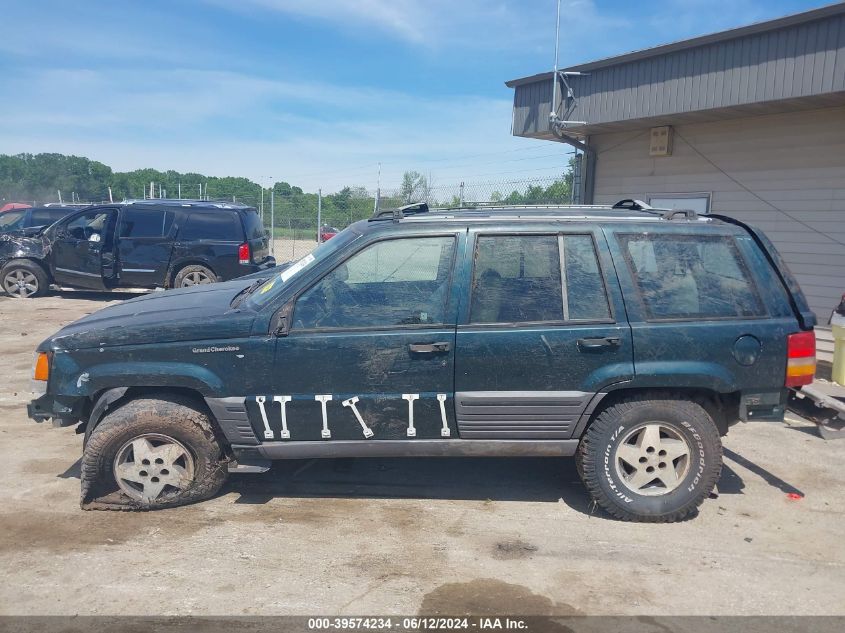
(430, 348)
(601, 342)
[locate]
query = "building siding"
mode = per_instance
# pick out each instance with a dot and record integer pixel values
(797, 61)
(794, 161)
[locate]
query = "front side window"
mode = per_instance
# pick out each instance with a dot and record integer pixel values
(136, 223)
(691, 276)
(92, 226)
(390, 283)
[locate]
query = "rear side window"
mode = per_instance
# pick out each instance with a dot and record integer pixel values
(222, 226)
(254, 227)
(135, 223)
(519, 279)
(691, 276)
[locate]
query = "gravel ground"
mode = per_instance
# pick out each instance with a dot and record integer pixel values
(386, 536)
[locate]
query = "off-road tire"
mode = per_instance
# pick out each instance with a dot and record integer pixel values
(194, 270)
(31, 270)
(173, 416)
(596, 458)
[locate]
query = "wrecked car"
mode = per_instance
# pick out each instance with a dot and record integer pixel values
(136, 244)
(626, 337)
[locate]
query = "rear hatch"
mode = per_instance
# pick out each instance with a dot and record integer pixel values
(256, 235)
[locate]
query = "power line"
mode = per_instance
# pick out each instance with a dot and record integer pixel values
(754, 193)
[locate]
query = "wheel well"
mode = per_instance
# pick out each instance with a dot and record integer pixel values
(177, 268)
(722, 407)
(193, 397)
(32, 260)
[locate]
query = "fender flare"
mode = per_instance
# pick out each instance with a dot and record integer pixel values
(101, 406)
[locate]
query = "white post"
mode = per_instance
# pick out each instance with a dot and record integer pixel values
(273, 222)
(60, 196)
(319, 215)
(110, 196)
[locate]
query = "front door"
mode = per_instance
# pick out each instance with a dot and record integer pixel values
(544, 332)
(144, 246)
(83, 250)
(371, 350)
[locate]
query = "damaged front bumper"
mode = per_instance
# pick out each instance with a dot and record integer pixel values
(63, 410)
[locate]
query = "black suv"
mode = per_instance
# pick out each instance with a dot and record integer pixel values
(629, 338)
(138, 244)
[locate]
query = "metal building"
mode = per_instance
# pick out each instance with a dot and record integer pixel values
(748, 122)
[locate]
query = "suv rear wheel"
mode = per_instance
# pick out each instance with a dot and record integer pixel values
(156, 452)
(22, 279)
(194, 275)
(651, 460)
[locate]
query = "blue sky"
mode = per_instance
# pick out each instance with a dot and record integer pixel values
(315, 92)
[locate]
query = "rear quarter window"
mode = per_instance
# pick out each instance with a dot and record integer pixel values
(691, 276)
(223, 227)
(254, 227)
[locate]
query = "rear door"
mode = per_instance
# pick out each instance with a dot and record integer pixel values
(83, 249)
(144, 242)
(544, 331)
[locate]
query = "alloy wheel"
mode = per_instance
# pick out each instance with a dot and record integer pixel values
(20, 283)
(652, 459)
(153, 465)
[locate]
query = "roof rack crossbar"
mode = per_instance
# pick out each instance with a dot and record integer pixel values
(397, 214)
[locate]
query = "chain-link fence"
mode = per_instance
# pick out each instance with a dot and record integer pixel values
(298, 219)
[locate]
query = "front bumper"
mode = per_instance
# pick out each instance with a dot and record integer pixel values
(63, 410)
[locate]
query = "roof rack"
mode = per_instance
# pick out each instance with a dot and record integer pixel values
(632, 205)
(397, 214)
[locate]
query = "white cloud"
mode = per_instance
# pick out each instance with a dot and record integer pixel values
(309, 133)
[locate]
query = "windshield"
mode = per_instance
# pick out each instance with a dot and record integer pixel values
(11, 220)
(273, 286)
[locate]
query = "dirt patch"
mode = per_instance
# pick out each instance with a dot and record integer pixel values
(486, 596)
(512, 550)
(65, 533)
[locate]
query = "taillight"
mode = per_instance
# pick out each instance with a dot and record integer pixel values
(800, 359)
(243, 253)
(41, 371)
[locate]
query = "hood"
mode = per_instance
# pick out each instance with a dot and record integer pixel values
(187, 314)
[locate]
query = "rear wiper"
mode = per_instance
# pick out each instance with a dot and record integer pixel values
(243, 294)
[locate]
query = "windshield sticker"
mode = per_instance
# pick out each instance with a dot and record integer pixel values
(267, 287)
(287, 273)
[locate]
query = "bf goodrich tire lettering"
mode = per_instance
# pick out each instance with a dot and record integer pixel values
(653, 460)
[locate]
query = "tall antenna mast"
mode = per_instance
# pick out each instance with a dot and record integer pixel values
(553, 113)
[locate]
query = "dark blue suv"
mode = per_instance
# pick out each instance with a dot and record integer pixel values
(630, 338)
(137, 244)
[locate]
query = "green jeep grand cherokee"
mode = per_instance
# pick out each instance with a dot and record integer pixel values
(627, 337)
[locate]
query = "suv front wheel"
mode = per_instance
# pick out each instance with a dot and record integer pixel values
(23, 279)
(152, 453)
(651, 460)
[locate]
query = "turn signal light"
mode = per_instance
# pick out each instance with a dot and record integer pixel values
(800, 359)
(243, 253)
(42, 366)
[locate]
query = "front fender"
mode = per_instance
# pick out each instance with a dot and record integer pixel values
(97, 378)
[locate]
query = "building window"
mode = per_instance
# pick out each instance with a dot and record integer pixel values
(698, 202)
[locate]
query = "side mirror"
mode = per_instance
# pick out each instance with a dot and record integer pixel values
(282, 320)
